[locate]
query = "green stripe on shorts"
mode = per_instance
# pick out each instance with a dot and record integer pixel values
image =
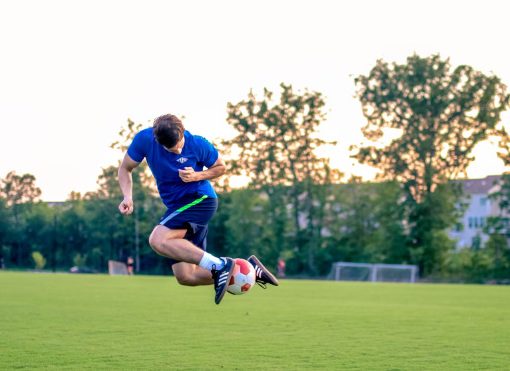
(182, 208)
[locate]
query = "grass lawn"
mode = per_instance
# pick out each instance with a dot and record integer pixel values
(64, 321)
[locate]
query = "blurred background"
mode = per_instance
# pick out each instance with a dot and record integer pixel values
(368, 132)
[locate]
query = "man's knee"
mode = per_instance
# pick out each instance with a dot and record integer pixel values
(156, 241)
(162, 235)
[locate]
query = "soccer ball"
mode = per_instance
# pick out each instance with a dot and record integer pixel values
(243, 277)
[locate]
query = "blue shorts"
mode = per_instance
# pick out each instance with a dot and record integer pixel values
(193, 214)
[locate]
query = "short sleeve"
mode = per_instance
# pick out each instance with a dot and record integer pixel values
(138, 148)
(207, 153)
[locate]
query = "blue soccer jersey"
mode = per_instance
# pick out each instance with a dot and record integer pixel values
(196, 153)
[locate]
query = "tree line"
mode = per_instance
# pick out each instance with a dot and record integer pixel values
(296, 206)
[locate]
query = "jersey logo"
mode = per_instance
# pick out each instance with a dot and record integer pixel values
(182, 160)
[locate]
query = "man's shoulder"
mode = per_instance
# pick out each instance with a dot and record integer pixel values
(197, 140)
(144, 135)
(140, 145)
(147, 132)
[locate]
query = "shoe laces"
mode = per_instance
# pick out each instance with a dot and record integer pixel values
(214, 272)
(261, 283)
(259, 279)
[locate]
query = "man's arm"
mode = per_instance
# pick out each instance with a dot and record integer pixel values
(126, 184)
(189, 175)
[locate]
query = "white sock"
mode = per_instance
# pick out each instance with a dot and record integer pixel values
(209, 260)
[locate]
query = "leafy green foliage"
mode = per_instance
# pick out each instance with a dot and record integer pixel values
(294, 207)
(19, 189)
(126, 135)
(440, 115)
(39, 260)
(276, 140)
(19, 196)
(365, 224)
(275, 148)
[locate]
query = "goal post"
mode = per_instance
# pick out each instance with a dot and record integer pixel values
(116, 268)
(346, 271)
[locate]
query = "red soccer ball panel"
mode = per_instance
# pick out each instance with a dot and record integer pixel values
(243, 277)
(245, 287)
(244, 266)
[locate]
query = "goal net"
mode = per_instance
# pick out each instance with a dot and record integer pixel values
(117, 268)
(343, 271)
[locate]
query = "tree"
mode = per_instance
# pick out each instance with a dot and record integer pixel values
(39, 260)
(5, 227)
(275, 148)
(498, 229)
(365, 223)
(18, 189)
(126, 135)
(244, 212)
(19, 193)
(148, 206)
(441, 115)
(113, 235)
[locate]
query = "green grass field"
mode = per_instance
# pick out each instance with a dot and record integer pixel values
(61, 321)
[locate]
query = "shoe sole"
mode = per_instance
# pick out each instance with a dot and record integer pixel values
(218, 300)
(266, 271)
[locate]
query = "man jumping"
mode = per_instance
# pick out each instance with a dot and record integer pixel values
(183, 164)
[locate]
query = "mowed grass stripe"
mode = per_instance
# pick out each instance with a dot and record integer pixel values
(63, 321)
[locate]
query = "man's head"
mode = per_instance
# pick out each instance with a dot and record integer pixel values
(169, 132)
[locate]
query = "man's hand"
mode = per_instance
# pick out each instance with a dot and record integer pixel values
(189, 175)
(126, 207)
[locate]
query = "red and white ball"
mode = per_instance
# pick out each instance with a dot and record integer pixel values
(243, 277)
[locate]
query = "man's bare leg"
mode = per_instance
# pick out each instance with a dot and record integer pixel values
(171, 243)
(193, 260)
(192, 275)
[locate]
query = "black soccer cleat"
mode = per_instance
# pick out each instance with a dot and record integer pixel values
(262, 274)
(221, 278)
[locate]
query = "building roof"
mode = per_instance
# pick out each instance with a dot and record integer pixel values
(480, 186)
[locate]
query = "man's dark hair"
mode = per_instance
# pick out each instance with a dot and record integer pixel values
(168, 130)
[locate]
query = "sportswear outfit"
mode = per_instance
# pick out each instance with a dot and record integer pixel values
(189, 205)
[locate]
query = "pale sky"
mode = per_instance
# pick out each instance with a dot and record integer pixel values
(73, 72)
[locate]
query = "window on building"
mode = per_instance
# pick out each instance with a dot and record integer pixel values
(470, 222)
(483, 201)
(476, 242)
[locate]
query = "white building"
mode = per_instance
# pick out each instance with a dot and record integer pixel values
(479, 207)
